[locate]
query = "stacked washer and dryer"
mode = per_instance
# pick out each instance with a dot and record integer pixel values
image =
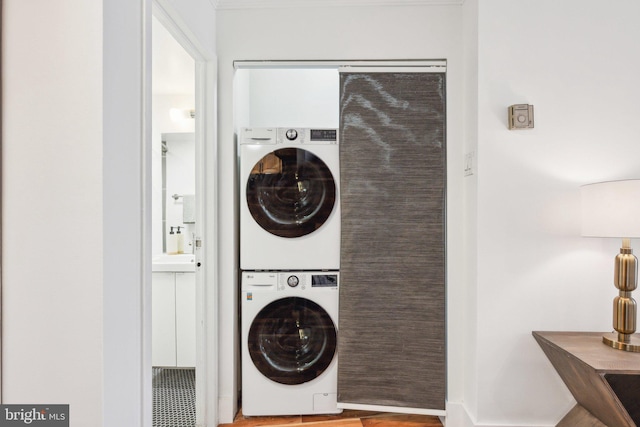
(290, 260)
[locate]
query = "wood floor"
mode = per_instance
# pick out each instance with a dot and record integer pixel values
(347, 419)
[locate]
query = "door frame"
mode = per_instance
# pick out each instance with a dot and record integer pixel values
(206, 205)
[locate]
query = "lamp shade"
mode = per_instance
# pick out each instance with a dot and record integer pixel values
(611, 209)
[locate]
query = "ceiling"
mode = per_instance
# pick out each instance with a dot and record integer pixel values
(172, 68)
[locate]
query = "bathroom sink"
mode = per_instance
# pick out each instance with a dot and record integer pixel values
(177, 262)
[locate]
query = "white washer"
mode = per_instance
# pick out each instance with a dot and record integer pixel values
(289, 199)
(289, 338)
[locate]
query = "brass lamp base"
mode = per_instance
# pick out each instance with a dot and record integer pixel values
(613, 340)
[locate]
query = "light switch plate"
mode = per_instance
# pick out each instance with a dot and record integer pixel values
(469, 163)
(521, 116)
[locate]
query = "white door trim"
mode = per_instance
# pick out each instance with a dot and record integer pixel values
(206, 203)
(378, 65)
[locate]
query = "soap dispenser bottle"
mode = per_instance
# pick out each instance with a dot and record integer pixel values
(179, 241)
(172, 243)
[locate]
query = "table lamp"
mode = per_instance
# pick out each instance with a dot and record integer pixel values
(612, 209)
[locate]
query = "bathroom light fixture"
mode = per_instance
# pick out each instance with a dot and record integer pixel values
(612, 209)
(178, 114)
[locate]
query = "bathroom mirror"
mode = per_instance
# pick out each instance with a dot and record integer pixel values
(178, 193)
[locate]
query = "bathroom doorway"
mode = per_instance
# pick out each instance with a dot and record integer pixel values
(173, 231)
(183, 337)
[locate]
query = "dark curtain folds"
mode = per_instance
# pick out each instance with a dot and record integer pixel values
(393, 189)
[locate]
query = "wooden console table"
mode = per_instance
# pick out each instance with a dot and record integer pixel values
(604, 381)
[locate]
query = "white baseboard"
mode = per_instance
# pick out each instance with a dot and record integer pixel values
(457, 416)
(396, 409)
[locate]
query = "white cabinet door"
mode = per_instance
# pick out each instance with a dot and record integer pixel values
(163, 318)
(186, 319)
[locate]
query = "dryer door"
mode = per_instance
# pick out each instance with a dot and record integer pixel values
(292, 340)
(290, 192)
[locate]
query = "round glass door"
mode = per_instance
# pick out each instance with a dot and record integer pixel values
(290, 192)
(292, 341)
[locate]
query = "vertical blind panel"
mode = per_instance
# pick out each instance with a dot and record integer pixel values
(392, 294)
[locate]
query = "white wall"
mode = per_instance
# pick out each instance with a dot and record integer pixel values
(288, 97)
(577, 62)
(412, 32)
(52, 205)
(75, 274)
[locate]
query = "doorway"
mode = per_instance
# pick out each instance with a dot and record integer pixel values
(204, 239)
(203, 233)
(173, 231)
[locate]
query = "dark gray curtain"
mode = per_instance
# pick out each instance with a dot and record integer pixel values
(391, 347)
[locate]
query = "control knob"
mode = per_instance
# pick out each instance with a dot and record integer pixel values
(293, 281)
(292, 134)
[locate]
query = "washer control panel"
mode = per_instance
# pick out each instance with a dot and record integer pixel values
(285, 280)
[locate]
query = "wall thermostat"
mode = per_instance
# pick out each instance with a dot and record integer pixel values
(521, 116)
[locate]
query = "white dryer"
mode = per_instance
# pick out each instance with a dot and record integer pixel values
(289, 199)
(289, 338)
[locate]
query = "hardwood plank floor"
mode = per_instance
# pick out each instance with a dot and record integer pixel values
(348, 418)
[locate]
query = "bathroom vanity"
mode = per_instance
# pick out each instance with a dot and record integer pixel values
(174, 311)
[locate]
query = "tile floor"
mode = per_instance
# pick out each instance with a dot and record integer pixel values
(174, 397)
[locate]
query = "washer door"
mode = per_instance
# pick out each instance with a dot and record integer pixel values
(292, 340)
(290, 192)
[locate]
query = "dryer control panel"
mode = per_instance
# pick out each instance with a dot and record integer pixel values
(289, 136)
(306, 136)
